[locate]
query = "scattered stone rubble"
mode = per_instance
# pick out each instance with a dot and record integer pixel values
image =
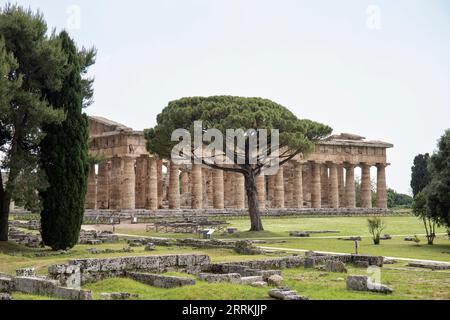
(429, 265)
(5, 296)
(363, 283)
(335, 266)
(25, 238)
(30, 225)
(314, 259)
(246, 247)
(285, 294)
(304, 234)
(160, 280)
(92, 237)
(118, 296)
(103, 251)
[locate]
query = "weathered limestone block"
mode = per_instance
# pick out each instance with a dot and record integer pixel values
(26, 272)
(285, 294)
(363, 283)
(213, 278)
(120, 296)
(251, 279)
(335, 266)
(67, 275)
(246, 247)
(428, 265)
(5, 296)
(5, 284)
(275, 280)
(40, 286)
(266, 274)
(160, 281)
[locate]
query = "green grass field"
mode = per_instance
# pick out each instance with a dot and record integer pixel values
(314, 284)
(408, 283)
(279, 228)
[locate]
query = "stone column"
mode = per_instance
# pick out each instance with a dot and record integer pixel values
(184, 182)
(261, 189)
(152, 202)
(340, 170)
(103, 181)
(115, 196)
(381, 186)
(271, 190)
(350, 192)
(239, 191)
(324, 183)
(91, 194)
(298, 185)
(279, 189)
(218, 189)
(208, 177)
(128, 184)
(316, 195)
(288, 189)
(174, 187)
(159, 165)
(334, 186)
(141, 181)
(197, 186)
(366, 189)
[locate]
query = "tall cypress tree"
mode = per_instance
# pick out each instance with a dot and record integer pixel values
(64, 154)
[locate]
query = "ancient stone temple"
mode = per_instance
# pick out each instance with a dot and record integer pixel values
(129, 178)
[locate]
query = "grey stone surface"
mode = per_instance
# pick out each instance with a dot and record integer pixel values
(117, 296)
(45, 287)
(228, 277)
(335, 266)
(5, 296)
(429, 265)
(160, 280)
(92, 270)
(26, 272)
(285, 294)
(275, 280)
(5, 284)
(251, 279)
(363, 283)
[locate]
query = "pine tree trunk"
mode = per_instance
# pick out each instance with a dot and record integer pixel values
(253, 206)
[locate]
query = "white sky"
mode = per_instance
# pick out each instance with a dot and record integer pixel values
(318, 58)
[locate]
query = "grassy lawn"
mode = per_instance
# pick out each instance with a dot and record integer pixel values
(316, 285)
(311, 283)
(279, 228)
(408, 283)
(14, 257)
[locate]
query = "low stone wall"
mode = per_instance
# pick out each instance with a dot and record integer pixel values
(92, 270)
(268, 264)
(312, 259)
(159, 280)
(45, 287)
(183, 213)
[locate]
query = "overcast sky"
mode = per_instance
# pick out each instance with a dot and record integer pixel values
(376, 68)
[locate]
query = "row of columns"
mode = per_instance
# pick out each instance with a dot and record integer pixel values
(137, 183)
